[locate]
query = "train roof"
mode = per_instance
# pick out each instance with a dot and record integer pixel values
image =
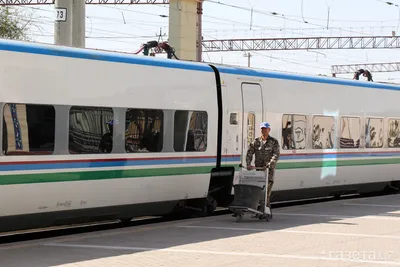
(304, 78)
(121, 57)
(100, 55)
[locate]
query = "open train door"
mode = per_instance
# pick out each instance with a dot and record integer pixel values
(252, 115)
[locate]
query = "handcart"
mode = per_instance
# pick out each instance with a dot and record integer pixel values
(248, 193)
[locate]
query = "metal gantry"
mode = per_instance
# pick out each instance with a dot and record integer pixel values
(307, 43)
(372, 67)
(89, 2)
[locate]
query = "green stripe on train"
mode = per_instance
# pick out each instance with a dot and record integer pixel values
(336, 163)
(117, 174)
(99, 175)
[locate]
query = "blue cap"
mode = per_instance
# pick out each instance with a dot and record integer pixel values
(264, 125)
(111, 122)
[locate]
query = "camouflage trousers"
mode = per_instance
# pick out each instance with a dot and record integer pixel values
(269, 188)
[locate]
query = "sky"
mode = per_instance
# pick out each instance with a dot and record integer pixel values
(126, 27)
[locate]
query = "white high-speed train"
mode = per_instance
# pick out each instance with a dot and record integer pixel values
(179, 131)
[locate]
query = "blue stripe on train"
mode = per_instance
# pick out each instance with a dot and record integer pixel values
(116, 163)
(61, 51)
(340, 156)
(142, 162)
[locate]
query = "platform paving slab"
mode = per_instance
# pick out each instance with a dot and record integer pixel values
(359, 232)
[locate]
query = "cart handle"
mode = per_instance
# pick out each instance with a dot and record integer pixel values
(254, 168)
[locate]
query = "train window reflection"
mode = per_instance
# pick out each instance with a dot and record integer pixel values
(144, 130)
(28, 129)
(190, 131)
(374, 133)
(294, 131)
(394, 133)
(323, 134)
(350, 132)
(90, 130)
(251, 128)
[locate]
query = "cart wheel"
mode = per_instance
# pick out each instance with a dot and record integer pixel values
(239, 217)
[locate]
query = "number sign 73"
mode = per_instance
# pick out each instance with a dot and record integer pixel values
(60, 14)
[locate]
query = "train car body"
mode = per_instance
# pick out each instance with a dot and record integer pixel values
(91, 135)
(344, 139)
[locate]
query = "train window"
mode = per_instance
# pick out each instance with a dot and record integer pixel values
(251, 127)
(323, 132)
(394, 133)
(90, 130)
(350, 132)
(294, 131)
(190, 130)
(144, 130)
(374, 133)
(28, 129)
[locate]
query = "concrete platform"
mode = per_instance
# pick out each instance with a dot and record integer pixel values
(361, 232)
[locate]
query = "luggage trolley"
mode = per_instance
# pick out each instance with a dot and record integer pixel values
(248, 194)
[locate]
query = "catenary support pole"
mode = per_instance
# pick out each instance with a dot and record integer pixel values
(183, 33)
(63, 22)
(199, 31)
(78, 23)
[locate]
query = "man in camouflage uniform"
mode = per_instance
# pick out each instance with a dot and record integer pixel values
(267, 151)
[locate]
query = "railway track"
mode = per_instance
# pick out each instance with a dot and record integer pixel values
(37, 234)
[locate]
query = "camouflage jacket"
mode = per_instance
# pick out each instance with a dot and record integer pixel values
(265, 154)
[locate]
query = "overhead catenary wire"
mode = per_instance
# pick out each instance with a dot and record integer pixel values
(273, 14)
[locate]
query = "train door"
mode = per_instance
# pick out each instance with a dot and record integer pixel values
(252, 115)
